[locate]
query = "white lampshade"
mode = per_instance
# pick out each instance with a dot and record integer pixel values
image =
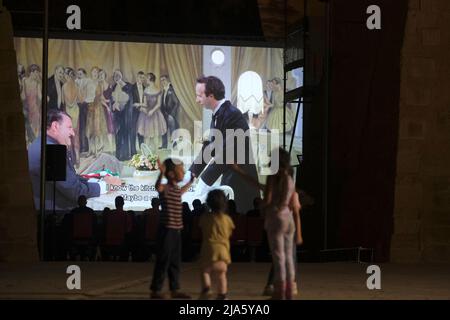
(217, 57)
(250, 93)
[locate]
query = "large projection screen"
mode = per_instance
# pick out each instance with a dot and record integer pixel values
(96, 82)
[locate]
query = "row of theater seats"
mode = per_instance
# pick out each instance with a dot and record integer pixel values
(125, 236)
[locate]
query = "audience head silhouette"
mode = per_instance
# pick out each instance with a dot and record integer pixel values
(232, 207)
(196, 204)
(216, 201)
(155, 203)
(257, 203)
(82, 201)
(119, 202)
(284, 161)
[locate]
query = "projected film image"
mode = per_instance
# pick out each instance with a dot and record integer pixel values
(132, 105)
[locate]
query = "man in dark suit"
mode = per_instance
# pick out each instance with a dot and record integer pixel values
(210, 92)
(137, 91)
(60, 131)
(82, 82)
(54, 89)
(123, 117)
(170, 108)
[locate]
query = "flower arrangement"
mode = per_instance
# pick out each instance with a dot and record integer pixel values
(144, 162)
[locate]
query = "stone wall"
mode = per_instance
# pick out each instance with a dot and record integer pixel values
(422, 195)
(17, 218)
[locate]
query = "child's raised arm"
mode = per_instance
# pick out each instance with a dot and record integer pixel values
(162, 169)
(187, 185)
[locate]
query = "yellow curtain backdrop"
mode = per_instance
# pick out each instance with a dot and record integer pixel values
(184, 66)
(28, 51)
(267, 62)
(183, 63)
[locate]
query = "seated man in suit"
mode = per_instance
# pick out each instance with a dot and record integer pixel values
(210, 92)
(60, 131)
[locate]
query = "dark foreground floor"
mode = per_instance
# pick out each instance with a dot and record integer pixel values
(115, 280)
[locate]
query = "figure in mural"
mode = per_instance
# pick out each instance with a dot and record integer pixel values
(275, 114)
(268, 93)
(170, 108)
(96, 123)
(151, 122)
(69, 100)
(106, 99)
(54, 89)
(122, 111)
(268, 99)
(137, 90)
(83, 83)
(33, 97)
(21, 76)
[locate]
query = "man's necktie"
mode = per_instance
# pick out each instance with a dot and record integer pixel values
(69, 159)
(213, 121)
(212, 126)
